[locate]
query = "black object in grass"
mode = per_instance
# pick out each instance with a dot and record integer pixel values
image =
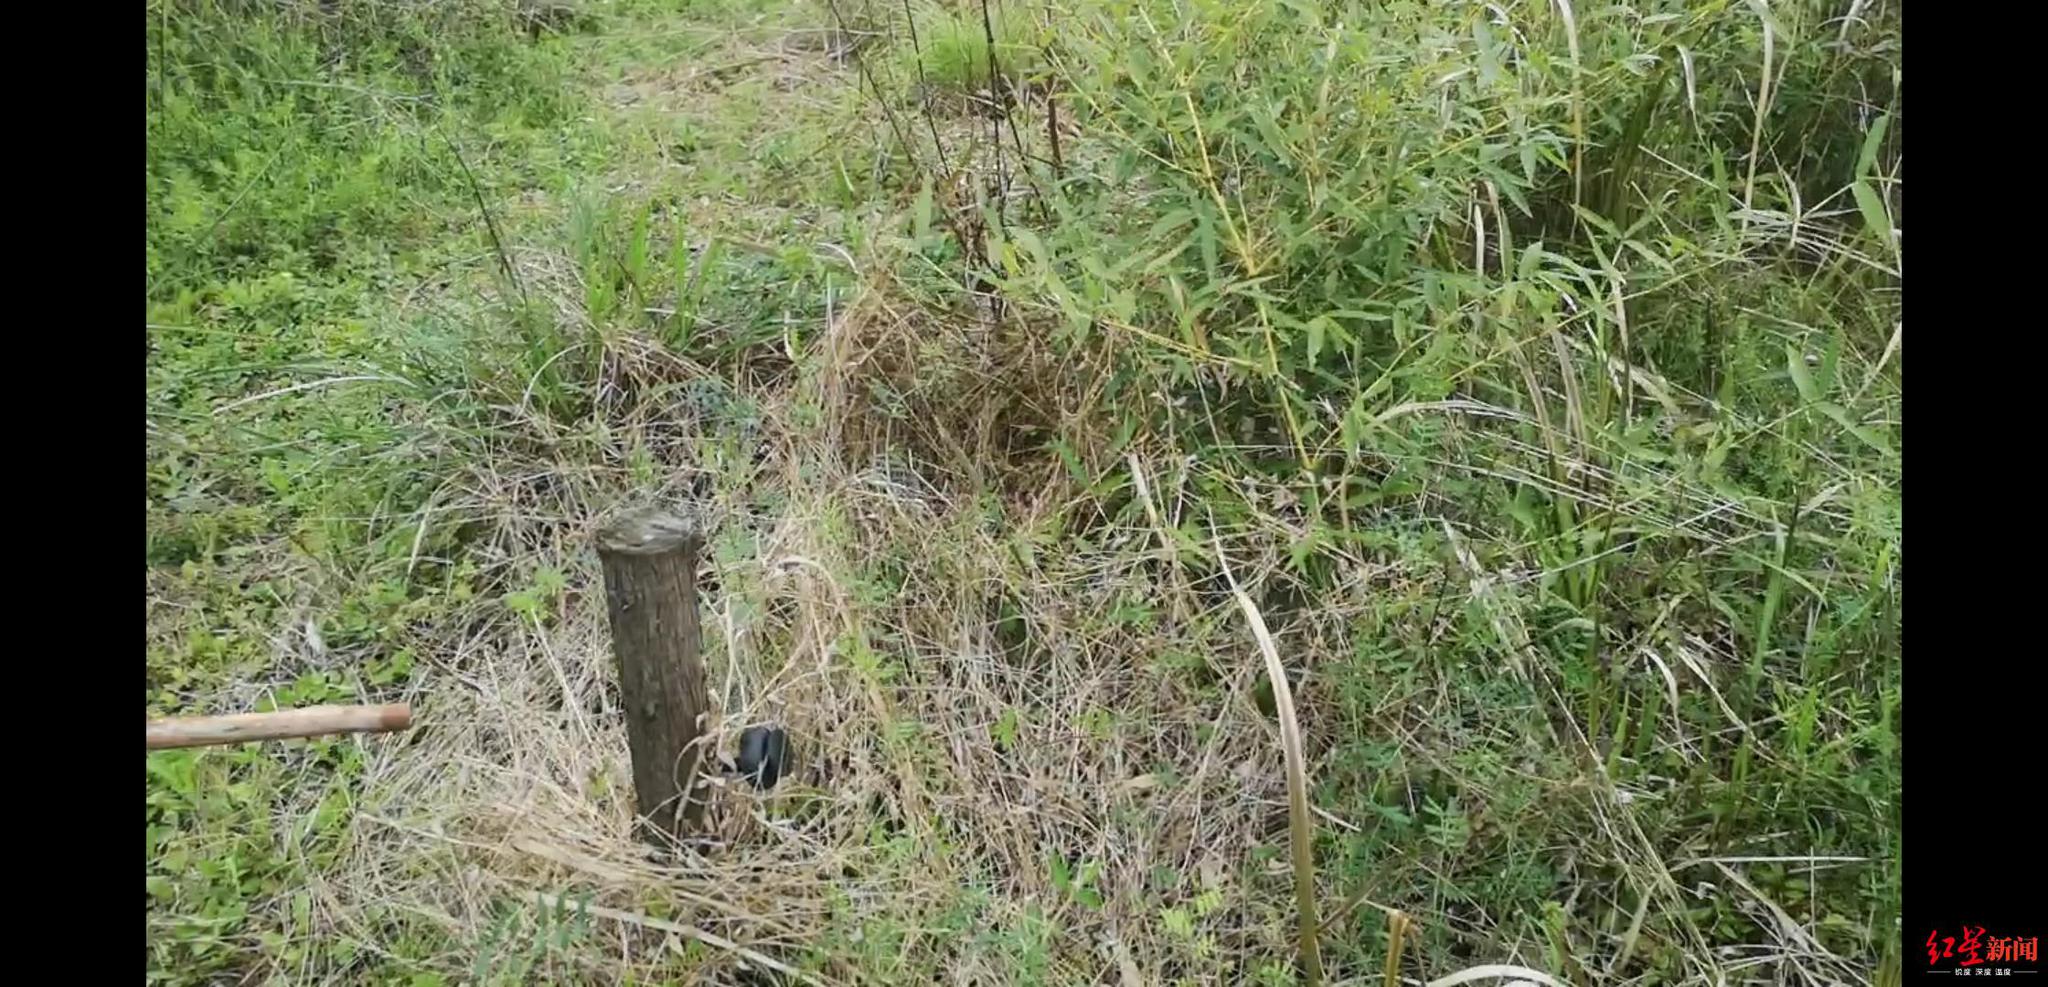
(764, 755)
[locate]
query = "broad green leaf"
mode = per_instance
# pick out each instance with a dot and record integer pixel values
(1864, 433)
(1872, 208)
(1352, 425)
(1170, 222)
(636, 247)
(1872, 143)
(1489, 60)
(1028, 243)
(1795, 364)
(1269, 129)
(1655, 259)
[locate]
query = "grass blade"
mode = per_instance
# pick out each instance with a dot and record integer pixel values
(1300, 826)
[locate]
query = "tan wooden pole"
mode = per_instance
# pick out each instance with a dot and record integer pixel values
(313, 721)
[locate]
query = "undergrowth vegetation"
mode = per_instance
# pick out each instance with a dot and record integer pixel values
(1534, 368)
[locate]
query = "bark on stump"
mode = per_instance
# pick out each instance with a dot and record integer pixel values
(650, 589)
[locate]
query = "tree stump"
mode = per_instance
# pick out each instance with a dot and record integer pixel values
(650, 589)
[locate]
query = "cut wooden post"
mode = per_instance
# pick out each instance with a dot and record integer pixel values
(650, 590)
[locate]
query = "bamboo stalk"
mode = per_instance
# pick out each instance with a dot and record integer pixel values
(313, 721)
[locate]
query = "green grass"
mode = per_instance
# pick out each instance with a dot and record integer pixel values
(1555, 433)
(951, 49)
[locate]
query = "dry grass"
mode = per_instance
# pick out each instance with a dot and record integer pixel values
(856, 600)
(515, 783)
(1026, 710)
